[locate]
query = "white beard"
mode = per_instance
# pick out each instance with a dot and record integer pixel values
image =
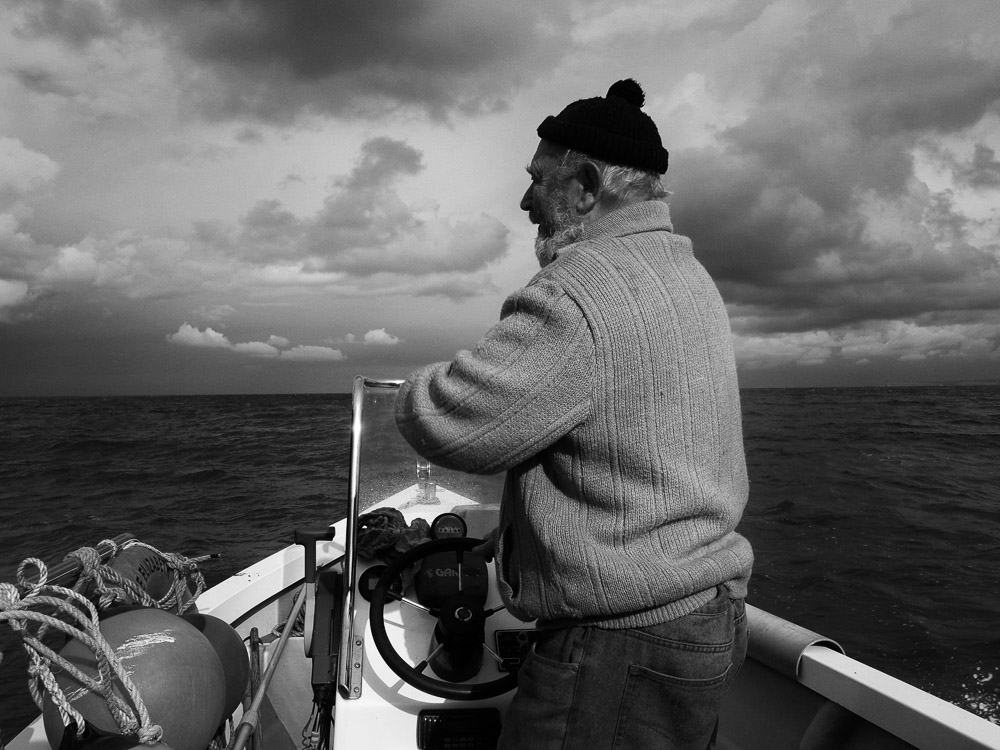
(547, 248)
(558, 229)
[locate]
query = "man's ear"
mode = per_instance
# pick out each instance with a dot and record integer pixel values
(590, 187)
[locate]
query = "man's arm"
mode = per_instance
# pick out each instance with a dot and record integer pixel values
(526, 384)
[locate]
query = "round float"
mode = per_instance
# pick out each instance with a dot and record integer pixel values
(148, 570)
(232, 654)
(172, 664)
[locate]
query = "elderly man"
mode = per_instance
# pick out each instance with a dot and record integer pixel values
(608, 393)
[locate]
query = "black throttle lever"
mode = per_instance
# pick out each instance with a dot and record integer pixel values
(308, 538)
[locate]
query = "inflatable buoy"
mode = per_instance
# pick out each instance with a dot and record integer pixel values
(150, 572)
(146, 569)
(117, 609)
(55, 730)
(91, 739)
(173, 666)
(232, 653)
(117, 742)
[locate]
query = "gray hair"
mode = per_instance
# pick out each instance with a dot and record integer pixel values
(621, 184)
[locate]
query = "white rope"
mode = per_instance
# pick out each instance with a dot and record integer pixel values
(19, 611)
(26, 616)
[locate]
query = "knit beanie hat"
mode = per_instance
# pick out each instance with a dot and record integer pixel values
(613, 129)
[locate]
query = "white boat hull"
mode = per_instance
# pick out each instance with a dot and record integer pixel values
(796, 690)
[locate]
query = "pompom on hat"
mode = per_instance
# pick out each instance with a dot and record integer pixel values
(612, 128)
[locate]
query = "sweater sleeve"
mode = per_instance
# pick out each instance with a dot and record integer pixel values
(526, 384)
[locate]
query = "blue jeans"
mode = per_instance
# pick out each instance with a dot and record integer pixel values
(656, 687)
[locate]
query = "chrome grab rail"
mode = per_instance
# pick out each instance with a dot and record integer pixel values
(351, 662)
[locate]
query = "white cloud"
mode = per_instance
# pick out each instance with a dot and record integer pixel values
(188, 335)
(22, 172)
(71, 264)
(135, 264)
(379, 337)
(810, 348)
(12, 294)
(289, 275)
(905, 341)
(21, 169)
(274, 348)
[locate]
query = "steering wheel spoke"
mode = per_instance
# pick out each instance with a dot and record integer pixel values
(494, 654)
(432, 611)
(423, 664)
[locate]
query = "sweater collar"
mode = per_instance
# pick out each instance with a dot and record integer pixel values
(647, 216)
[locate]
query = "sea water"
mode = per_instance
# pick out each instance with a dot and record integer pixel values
(874, 513)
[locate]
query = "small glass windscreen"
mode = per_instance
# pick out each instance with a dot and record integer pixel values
(390, 472)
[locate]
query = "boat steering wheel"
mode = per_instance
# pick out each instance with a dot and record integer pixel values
(414, 674)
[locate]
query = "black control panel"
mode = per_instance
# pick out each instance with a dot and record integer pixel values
(446, 728)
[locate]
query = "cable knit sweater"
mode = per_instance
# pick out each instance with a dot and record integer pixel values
(608, 393)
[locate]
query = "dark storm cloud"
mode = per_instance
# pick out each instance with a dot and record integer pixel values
(365, 228)
(811, 216)
(41, 81)
(792, 262)
(915, 79)
(269, 232)
(275, 60)
(77, 22)
(382, 161)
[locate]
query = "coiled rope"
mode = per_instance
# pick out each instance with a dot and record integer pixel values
(22, 612)
(78, 618)
(112, 588)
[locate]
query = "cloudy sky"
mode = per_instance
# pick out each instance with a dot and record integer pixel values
(263, 196)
